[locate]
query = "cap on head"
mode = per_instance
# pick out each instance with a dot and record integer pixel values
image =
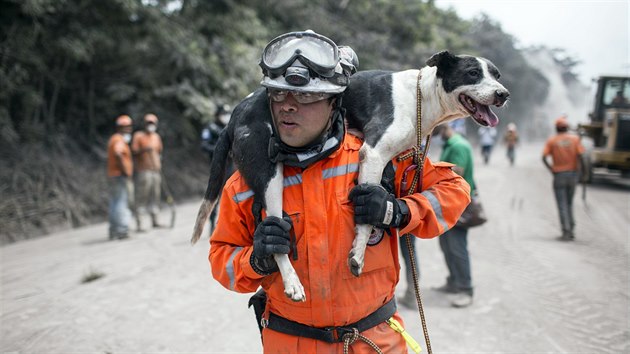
(123, 121)
(562, 122)
(307, 62)
(150, 118)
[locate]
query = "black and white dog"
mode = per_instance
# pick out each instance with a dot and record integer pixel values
(382, 105)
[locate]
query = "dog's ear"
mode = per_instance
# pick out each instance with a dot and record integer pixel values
(441, 58)
(443, 61)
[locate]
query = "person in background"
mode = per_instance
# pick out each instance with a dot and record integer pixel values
(511, 139)
(619, 99)
(147, 152)
(454, 242)
(210, 134)
(119, 172)
(566, 152)
(322, 205)
(487, 135)
(209, 137)
(409, 296)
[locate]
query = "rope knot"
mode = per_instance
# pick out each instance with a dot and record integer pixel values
(350, 338)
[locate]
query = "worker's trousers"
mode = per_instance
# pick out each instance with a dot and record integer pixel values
(148, 190)
(564, 184)
(120, 189)
(404, 251)
(454, 245)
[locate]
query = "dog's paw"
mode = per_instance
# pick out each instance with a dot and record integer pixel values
(355, 264)
(294, 290)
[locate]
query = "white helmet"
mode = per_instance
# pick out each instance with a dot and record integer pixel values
(307, 62)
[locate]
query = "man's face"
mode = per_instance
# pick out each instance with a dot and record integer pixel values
(126, 129)
(445, 132)
(300, 124)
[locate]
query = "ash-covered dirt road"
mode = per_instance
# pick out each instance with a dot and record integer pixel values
(533, 294)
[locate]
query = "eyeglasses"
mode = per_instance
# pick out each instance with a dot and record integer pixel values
(300, 97)
(317, 52)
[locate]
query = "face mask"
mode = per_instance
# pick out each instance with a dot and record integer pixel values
(127, 138)
(151, 128)
(224, 118)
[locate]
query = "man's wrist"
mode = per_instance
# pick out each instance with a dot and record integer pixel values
(403, 216)
(263, 267)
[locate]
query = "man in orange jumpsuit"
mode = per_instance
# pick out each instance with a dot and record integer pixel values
(566, 153)
(119, 172)
(147, 152)
(320, 224)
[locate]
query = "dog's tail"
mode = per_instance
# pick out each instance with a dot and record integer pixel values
(218, 168)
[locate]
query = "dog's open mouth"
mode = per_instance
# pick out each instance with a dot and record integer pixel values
(481, 113)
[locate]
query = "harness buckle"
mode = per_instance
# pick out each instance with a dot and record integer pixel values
(338, 333)
(264, 323)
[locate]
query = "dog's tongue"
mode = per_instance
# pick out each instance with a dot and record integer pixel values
(485, 114)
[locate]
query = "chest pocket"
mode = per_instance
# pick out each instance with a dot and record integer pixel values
(297, 231)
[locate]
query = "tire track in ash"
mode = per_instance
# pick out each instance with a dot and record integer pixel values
(561, 315)
(566, 318)
(577, 321)
(580, 321)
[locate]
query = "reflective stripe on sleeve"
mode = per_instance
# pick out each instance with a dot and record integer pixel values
(229, 267)
(437, 208)
(239, 197)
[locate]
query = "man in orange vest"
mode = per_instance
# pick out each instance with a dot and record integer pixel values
(119, 172)
(147, 152)
(320, 222)
(566, 152)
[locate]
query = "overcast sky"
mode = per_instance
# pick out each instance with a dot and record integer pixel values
(595, 32)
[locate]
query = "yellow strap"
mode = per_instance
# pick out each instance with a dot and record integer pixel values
(396, 326)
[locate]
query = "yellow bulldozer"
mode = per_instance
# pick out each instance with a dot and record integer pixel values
(609, 128)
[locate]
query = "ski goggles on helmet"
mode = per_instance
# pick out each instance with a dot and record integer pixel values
(300, 97)
(318, 53)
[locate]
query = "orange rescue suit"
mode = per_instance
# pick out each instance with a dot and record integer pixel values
(118, 147)
(147, 160)
(316, 198)
(564, 149)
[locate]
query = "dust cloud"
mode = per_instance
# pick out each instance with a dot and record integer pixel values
(566, 96)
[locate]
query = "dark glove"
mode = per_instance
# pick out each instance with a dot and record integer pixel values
(271, 236)
(373, 205)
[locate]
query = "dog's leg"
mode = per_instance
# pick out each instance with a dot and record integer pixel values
(371, 169)
(293, 289)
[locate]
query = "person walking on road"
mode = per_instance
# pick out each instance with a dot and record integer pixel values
(566, 152)
(487, 135)
(409, 296)
(511, 139)
(119, 172)
(454, 242)
(147, 152)
(322, 205)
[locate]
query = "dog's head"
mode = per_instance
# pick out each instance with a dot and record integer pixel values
(473, 82)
